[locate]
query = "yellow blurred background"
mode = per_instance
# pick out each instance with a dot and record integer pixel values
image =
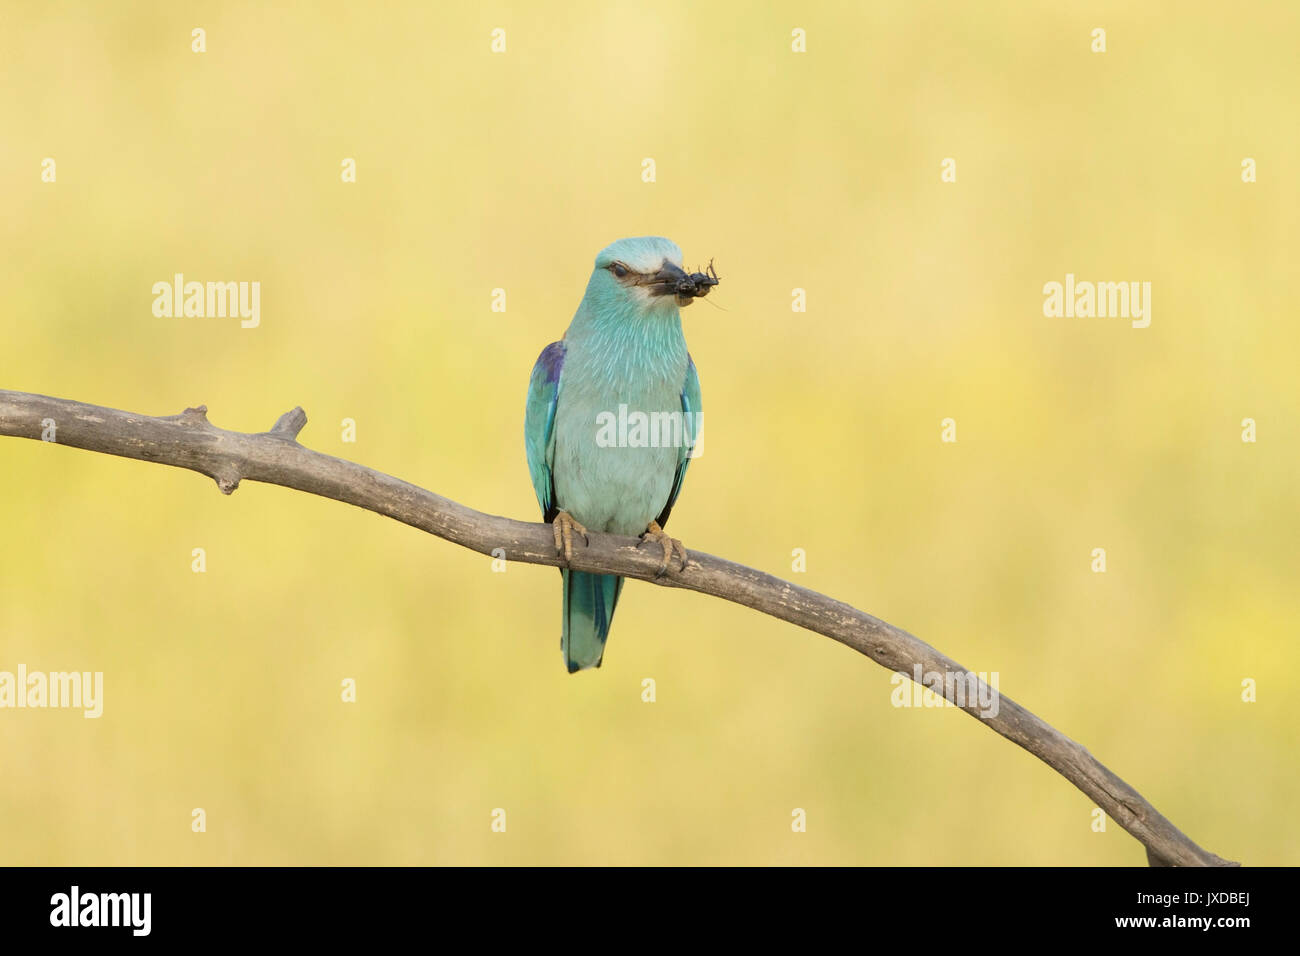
(820, 170)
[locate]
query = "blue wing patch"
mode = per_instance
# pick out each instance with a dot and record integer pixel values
(539, 425)
(692, 409)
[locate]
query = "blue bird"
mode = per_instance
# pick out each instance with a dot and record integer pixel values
(611, 423)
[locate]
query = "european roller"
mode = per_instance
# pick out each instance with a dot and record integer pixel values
(612, 417)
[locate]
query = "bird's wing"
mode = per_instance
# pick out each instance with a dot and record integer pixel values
(539, 425)
(691, 408)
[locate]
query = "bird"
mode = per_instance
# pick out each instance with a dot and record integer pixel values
(595, 456)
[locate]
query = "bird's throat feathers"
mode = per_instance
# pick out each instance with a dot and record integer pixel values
(623, 339)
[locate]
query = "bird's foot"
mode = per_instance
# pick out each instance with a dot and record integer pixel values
(671, 546)
(565, 527)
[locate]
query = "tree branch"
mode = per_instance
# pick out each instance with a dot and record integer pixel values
(189, 441)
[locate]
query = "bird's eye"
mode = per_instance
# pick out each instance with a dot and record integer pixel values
(618, 269)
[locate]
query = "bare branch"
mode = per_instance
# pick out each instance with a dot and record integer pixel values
(190, 441)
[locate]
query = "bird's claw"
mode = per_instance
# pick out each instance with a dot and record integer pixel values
(564, 526)
(671, 546)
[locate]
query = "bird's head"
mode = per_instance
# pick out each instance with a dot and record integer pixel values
(645, 274)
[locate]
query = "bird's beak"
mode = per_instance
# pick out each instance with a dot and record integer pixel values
(672, 280)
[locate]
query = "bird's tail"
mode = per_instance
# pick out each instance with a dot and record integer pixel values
(589, 601)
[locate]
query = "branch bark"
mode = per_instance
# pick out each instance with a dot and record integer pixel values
(189, 440)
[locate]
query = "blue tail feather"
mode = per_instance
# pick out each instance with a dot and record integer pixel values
(589, 602)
